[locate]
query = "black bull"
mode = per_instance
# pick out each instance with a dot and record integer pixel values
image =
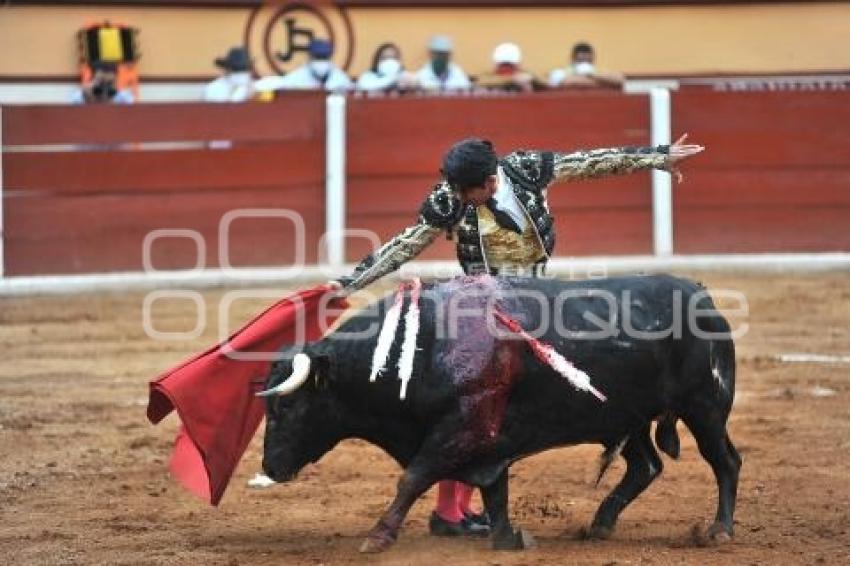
(479, 400)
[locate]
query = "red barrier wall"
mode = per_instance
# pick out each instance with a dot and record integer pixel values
(84, 185)
(775, 176)
(77, 208)
(395, 147)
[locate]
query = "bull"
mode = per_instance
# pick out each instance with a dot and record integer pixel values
(474, 398)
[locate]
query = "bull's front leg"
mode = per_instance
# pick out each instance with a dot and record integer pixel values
(413, 483)
(502, 534)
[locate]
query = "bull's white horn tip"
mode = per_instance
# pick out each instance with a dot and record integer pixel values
(300, 372)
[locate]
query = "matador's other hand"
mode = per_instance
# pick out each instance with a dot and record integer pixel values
(680, 151)
(339, 287)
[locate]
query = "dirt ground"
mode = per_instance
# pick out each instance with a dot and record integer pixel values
(84, 479)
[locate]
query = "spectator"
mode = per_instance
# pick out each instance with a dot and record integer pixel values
(102, 88)
(387, 72)
(582, 72)
(235, 84)
(508, 74)
(318, 74)
(440, 73)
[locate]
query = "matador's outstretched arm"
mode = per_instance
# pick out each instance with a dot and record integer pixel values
(595, 163)
(402, 248)
(622, 160)
(440, 212)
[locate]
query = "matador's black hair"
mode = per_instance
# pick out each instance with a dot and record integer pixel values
(469, 162)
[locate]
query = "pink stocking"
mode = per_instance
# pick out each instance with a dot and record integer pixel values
(463, 494)
(447, 501)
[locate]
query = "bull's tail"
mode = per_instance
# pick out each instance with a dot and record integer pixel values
(721, 362)
(608, 456)
(666, 436)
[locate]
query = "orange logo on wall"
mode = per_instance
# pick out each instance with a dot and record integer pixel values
(277, 35)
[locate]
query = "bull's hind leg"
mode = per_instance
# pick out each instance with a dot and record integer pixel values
(716, 447)
(502, 534)
(642, 466)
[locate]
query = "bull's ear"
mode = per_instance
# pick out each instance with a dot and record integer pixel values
(321, 371)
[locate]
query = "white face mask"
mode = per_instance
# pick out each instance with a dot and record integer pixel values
(240, 79)
(320, 68)
(584, 68)
(389, 67)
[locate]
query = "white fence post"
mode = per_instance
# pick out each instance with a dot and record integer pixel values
(335, 180)
(662, 182)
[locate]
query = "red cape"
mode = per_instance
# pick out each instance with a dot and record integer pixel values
(214, 391)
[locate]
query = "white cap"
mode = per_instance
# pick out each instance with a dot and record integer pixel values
(507, 53)
(441, 43)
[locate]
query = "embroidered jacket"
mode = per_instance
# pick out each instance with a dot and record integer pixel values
(530, 173)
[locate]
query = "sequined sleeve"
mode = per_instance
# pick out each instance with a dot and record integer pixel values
(440, 212)
(609, 161)
(392, 255)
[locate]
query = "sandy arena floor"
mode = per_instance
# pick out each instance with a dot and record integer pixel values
(84, 480)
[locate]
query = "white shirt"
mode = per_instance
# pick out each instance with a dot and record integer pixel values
(232, 87)
(506, 200)
(302, 78)
(370, 81)
(456, 79)
(558, 76)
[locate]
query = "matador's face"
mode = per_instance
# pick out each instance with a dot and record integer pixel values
(479, 195)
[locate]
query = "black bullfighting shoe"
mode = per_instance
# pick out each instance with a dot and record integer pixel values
(481, 520)
(439, 527)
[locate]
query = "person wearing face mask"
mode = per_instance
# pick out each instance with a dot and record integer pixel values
(102, 88)
(582, 72)
(440, 74)
(236, 84)
(508, 74)
(319, 73)
(387, 73)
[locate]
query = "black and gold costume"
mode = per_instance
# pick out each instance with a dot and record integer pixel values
(483, 246)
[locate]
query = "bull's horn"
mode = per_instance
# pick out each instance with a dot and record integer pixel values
(300, 373)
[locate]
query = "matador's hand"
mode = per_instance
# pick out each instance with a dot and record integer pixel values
(680, 151)
(339, 288)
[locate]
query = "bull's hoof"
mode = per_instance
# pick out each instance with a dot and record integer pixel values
(596, 532)
(380, 539)
(715, 535)
(373, 545)
(718, 533)
(518, 540)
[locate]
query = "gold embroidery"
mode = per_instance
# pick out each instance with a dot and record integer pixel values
(607, 161)
(504, 249)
